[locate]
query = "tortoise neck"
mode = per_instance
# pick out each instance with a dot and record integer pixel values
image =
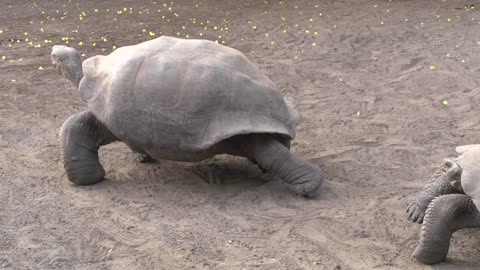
(74, 72)
(77, 75)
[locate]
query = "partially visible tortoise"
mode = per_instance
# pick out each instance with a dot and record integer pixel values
(181, 100)
(449, 202)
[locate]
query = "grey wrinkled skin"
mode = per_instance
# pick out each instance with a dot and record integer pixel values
(445, 215)
(81, 136)
(437, 185)
(142, 158)
(449, 208)
(181, 100)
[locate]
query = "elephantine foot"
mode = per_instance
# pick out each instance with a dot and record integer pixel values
(418, 206)
(142, 158)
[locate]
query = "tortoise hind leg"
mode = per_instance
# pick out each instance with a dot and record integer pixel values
(445, 215)
(302, 177)
(81, 135)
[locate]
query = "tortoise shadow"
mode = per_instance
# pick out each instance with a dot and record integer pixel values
(453, 264)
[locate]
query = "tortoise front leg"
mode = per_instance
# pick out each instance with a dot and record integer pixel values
(81, 136)
(445, 215)
(441, 183)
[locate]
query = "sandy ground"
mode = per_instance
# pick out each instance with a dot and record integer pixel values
(386, 90)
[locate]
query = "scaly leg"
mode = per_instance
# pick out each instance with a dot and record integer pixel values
(81, 135)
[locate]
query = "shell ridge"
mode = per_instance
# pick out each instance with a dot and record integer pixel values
(136, 75)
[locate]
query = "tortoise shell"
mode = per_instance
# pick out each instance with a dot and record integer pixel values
(175, 99)
(469, 161)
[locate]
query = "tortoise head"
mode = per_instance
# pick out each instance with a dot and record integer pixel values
(67, 62)
(453, 172)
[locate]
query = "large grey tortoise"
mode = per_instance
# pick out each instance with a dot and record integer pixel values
(180, 100)
(449, 202)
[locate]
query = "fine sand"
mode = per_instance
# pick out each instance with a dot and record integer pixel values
(386, 90)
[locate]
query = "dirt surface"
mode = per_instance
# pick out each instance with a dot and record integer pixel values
(386, 90)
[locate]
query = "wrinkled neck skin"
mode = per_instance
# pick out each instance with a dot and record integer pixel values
(73, 69)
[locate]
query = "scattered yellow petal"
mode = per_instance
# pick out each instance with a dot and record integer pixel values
(40, 68)
(80, 43)
(4, 57)
(432, 67)
(358, 113)
(151, 33)
(449, 19)
(445, 102)
(254, 27)
(314, 44)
